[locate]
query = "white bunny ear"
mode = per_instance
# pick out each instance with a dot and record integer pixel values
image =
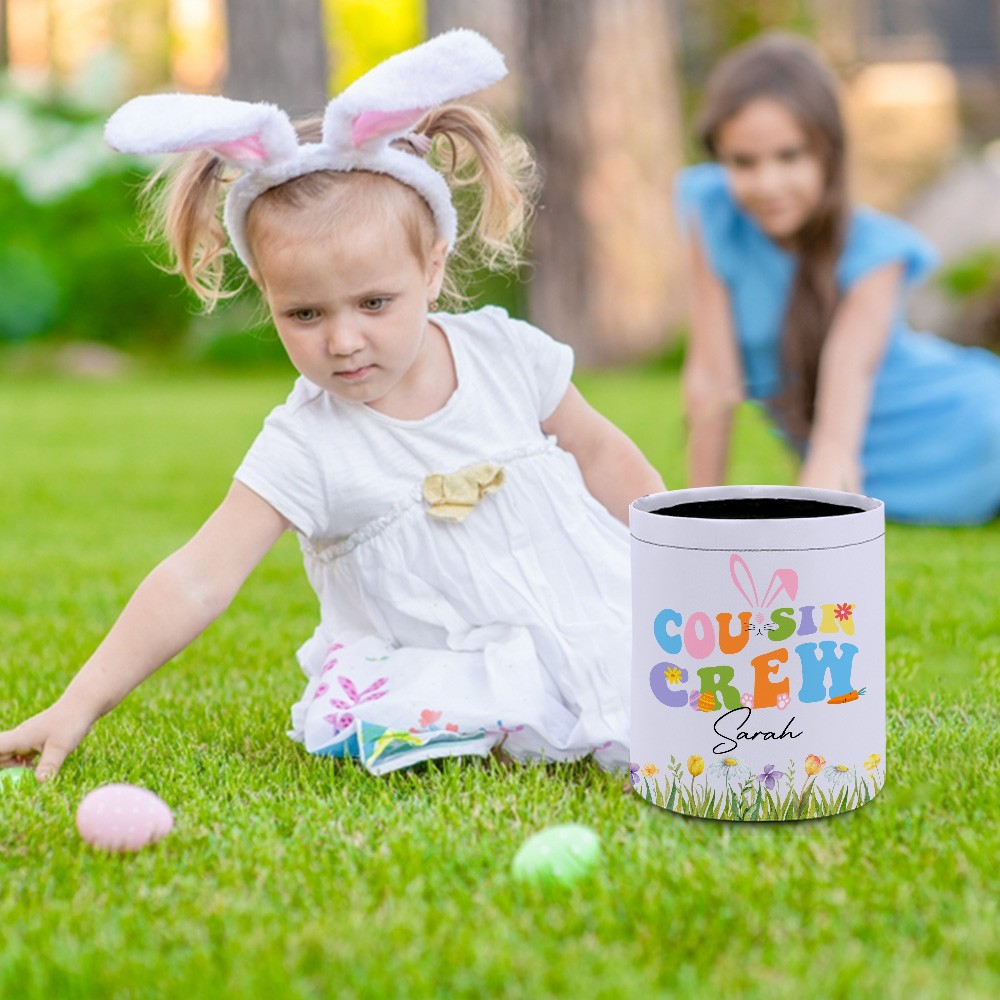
(247, 135)
(388, 101)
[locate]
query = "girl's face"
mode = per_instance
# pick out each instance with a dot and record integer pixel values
(775, 174)
(351, 307)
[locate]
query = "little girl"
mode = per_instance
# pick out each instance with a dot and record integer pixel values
(458, 504)
(797, 301)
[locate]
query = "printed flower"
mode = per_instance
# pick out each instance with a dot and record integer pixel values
(649, 770)
(634, 772)
(814, 764)
(321, 690)
(428, 718)
(695, 765)
(872, 761)
(836, 774)
(729, 769)
(339, 722)
(783, 701)
(673, 675)
(843, 611)
(746, 699)
(770, 777)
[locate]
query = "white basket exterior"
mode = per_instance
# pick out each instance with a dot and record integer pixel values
(686, 565)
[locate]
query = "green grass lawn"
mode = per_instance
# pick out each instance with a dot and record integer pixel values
(291, 876)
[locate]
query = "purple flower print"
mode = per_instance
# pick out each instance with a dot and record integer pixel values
(371, 693)
(634, 773)
(770, 778)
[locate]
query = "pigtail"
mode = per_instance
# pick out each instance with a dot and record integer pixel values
(494, 180)
(183, 202)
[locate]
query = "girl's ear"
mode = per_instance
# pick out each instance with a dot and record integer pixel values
(435, 267)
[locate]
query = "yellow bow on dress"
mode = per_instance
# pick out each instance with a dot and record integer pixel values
(453, 495)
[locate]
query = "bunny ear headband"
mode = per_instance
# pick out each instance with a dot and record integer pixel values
(359, 126)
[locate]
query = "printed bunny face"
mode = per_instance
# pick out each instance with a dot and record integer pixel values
(359, 126)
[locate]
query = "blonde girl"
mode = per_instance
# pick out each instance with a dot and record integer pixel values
(458, 504)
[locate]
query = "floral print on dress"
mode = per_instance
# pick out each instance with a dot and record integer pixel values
(353, 698)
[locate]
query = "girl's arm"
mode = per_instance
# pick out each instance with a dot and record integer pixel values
(848, 364)
(712, 380)
(614, 469)
(170, 608)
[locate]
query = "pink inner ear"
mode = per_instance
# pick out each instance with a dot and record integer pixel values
(370, 124)
(250, 147)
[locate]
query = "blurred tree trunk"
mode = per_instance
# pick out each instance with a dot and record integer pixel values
(140, 29)
(501, 21)
(277, 53)
(601, 108)
(4, 47)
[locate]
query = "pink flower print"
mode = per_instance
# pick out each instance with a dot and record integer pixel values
(451, 727)
(428, 718)
(783, 700)
(320, 691)
(371, 693)
(334, 647)
(507, 730)
(843, 611)
(339, 722)
(329, 665)
(746, 699)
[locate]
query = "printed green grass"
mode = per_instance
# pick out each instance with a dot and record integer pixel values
(293, 877)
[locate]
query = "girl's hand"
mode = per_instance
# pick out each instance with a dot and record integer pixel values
(831, 473)
(50, 737)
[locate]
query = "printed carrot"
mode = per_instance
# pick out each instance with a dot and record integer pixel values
(843, 699)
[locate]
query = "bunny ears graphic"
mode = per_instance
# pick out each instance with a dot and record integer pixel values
(359, 126)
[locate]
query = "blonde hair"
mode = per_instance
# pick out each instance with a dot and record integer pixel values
(492, 176)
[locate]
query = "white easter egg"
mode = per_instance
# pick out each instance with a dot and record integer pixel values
(123, 818)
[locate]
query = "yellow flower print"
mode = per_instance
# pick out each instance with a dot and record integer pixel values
(695, 765)
(872, 761)
(814, 764)
(673, 675)
(649, 770)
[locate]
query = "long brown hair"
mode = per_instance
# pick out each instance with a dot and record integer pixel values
(789, 69)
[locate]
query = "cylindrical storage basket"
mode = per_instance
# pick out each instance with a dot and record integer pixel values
(758, 663)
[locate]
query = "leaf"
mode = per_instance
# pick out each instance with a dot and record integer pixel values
(805, 798)
(735, 806)
(705, 805)
(349, 689)
(672, 796)
(867, 798)
(659, 793)
(826, 802)
(649, 794)
(375, 685)
(755, 811)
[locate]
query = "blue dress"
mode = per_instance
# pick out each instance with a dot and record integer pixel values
(932, 447)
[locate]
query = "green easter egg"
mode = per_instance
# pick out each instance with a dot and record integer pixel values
(13, 775)
(561, 853)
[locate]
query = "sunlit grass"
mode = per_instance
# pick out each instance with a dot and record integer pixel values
(291, 876)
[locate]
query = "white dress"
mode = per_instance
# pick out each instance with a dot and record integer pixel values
(439, 638)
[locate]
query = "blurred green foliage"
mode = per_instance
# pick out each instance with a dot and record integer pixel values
(973, 274)
(71, 263)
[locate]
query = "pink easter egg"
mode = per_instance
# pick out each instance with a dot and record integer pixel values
(123, 818)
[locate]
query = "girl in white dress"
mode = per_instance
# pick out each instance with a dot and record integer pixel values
(459, 505)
